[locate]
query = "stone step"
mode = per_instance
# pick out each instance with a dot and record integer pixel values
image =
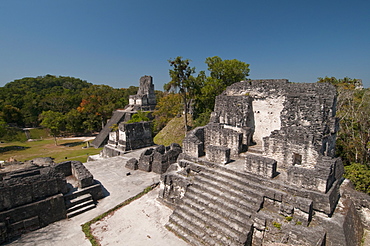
(255, 149)
(80, 205)
(220, 206)
(243, 179)
(77, 200)
(234, 200)
(221, 216)
(191, 225)
(216, 232)
(189, 231)
(231, 181)
(226, 186)
(216, 223)
(80, 210)
(179, 231)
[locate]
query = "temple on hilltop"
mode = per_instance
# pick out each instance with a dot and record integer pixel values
(263, 171)
(144, 100)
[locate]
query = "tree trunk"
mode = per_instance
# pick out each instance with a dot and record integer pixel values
(186, 114)
(55, 140)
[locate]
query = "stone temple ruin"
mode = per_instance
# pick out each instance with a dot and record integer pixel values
(130, 136)
(263, 171)
(44, 193)
(144, 100)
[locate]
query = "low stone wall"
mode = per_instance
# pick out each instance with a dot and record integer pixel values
(157, 159)
(263, 166)
(193, 144)
(31, 216)
(27, 186)
(64, 168)
(218, 154)
(83, 176)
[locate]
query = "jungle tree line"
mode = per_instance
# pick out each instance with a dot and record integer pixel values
(353, 139)
(79, 106)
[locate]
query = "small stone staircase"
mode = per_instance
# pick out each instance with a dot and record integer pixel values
(216, 209)
(79, 204)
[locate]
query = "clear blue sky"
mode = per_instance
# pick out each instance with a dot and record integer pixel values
(115, 42)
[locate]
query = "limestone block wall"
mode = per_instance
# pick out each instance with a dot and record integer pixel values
(32, 216)
(218, 154)
(17, 190)
(233, 110)
(193, 144)
(266, 116)
(135, 135)
(159, 159)
(294, 122)
(83, 176)
(261, 166)
(217, 135)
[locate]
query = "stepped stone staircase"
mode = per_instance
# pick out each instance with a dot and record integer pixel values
(79, 205)
(102, 138)
(217, 209)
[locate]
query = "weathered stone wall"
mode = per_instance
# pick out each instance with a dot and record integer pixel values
(158, 159)
(219, 154)
(135, 135)
(288, 119)
(83, 176)
(260, 165)
(193, 144)
(145, 95)
(217, 135)
(27, 186)
(32, 216)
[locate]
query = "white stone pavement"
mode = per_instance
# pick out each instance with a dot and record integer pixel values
(111, 173)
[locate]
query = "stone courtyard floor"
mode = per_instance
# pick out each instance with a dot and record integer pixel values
(139, 223)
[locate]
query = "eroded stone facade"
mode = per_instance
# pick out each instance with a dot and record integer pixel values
(42, 194)
(281, 181)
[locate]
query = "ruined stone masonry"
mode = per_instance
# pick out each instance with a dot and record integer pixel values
(144, 100)
(264, 171)
(44, 193)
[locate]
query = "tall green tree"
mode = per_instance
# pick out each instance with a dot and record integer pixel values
(223, 73)
(101, 101)
(353, 110)
(54, 121)
(353, 139)
(167, 108)
(74, 122)
(181, 80)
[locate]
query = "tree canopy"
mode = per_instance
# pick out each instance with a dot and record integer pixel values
(84, 106)
(353, 140)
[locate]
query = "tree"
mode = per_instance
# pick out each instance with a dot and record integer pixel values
(223, 73)
(353, 139)
(168, 107)
(181, 79)
(353, 110)
(3, 126)
(12, 115)
(74, 122)
(101, 100)
(140, 116)
(54, 121)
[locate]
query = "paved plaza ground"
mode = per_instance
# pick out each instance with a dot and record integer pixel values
(139, 223)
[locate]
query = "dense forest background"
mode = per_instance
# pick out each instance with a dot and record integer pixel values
(71, 106)
(79, 106)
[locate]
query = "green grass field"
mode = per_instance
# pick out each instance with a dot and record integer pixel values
(66, 150)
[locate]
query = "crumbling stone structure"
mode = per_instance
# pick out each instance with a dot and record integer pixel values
(283, 183)
(129, 136)
(42, 194)
(144, 100)
(156, 159)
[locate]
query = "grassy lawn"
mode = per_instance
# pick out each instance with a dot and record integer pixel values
(66, 150)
